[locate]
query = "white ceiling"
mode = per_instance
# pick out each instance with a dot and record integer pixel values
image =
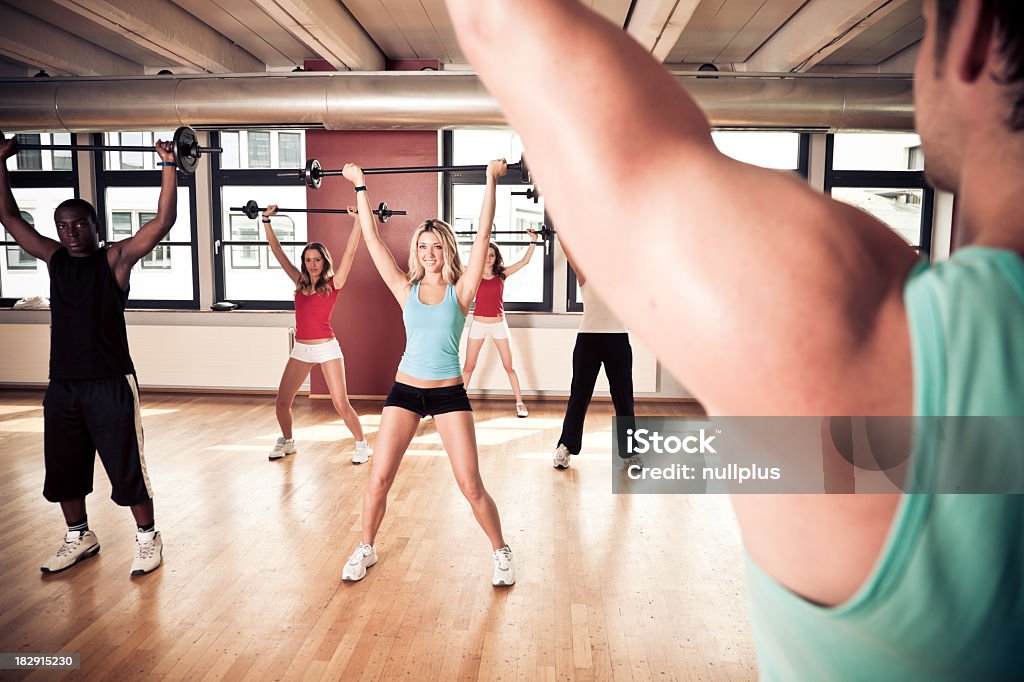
(128, 37)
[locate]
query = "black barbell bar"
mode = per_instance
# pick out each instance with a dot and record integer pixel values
(531, 193)
(544, 232)
(187, 151)
(313, 174)
(252, 209)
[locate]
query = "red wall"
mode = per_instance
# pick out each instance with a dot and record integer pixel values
(367, 319)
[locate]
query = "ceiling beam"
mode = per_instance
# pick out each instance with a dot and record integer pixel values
(32, 41)
(327, 28)
(162, 27)
(820, 28)
(657, 24)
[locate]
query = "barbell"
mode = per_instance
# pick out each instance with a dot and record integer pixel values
(544, 232)
(313, 174)
(187, 151)
(252, 209)
(531, 193)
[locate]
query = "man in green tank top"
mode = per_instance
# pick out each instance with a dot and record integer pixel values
(765, 298)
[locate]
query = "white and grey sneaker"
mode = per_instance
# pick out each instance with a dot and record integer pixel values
(77, 546)
(504, 569)
(362, 453)
(361, 559)
(561, 458)
(284, 447)
(632, 461)
(149, 552)
(521, 411)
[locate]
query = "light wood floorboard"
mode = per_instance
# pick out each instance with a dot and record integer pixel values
(610, 587)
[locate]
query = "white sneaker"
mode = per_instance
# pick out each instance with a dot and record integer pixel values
(77, 546)
(283, 447)
(632, 461)
(362, 453)
(561, 458)
(149, 552)
(504, 569)
(521, 411)
(361, 559)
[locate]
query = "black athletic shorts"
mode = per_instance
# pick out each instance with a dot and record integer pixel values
(432, 401)
(83, 416)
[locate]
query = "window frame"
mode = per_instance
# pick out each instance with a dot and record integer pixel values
(879, 179)
(222, 177)
(33, 179)
(106, 179)
(479, 178)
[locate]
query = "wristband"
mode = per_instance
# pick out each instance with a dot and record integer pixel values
(360, 188)
(166, 163)
(266, 220)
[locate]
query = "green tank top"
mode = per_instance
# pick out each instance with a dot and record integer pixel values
(945, 601)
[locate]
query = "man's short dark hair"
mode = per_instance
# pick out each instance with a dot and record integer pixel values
(78, 203)
(1009, 26)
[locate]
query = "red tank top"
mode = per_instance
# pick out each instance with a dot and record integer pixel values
(313, 314)
(489, 298)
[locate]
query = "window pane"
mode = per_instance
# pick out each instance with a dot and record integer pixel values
(61, 157)
(513, 214)
(17, 258)
(229, 143)
(766, 149)
(143, 160)
(476, 147)
(289, 150)
(38, 203)
(900, 209)
(132, 160)
(250, 272)
(259, 150)
(877, 151)
(29, 159)
(166, 272)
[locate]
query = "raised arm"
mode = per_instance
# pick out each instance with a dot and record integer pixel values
(732, 248)
(581, 279)
(34, 244)
(289, 268)
(524, 261)
(127, 252)
(393, 277)
(470, 280)
(345, 265)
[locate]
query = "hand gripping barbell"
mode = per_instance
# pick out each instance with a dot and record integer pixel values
(187, 151)
(252, 210)
(313, 174)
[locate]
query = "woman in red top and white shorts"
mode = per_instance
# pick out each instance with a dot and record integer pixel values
(317, 286)
(489, 318)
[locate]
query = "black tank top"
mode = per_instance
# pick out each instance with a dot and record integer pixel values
(88, 339)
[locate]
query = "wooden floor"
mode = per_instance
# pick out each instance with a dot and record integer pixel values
(609, 587)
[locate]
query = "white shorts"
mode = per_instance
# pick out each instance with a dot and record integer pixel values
(316, 353)
(481, 330)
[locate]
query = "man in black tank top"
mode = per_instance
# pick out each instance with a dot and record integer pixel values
(92, 401)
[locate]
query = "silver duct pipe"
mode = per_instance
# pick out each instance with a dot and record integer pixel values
(420, 101)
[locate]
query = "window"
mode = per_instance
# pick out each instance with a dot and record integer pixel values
(883, 175)
(17, 258)
(531, 288)
(39, 183)
(128, 190)
(246, 272)
(259, 149)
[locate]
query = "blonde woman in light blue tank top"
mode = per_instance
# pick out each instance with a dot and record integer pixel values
(435, 295)
(765, 298)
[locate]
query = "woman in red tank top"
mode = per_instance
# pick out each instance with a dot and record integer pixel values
(317, 286)
(489, 318)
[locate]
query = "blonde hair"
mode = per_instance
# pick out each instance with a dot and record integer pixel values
(452, 269)
(323, 284)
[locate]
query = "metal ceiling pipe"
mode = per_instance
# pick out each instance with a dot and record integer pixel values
(422, 101)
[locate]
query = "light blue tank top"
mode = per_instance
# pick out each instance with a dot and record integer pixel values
(946, 599)
(432, 334)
